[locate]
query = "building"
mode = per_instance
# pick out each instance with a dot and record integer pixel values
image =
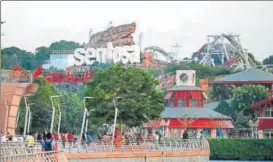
(264, 125)
(60, 59)
(184, 110)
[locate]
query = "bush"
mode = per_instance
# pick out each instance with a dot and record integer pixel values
(241, 149)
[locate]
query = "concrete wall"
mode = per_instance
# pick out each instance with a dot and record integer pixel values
(12, 93)
(176, 156)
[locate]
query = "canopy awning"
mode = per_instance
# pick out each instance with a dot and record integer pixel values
(201, 123)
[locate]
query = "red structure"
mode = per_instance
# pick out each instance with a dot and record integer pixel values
(264, 125)
(264, 109)
(71, 75)
(184, 111)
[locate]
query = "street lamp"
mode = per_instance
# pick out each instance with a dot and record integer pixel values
(29, 116)
(85, 114)
(26, 115)
(115, 119)
(53, 114)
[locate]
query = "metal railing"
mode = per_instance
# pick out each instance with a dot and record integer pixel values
(22, 152)
(145, 146)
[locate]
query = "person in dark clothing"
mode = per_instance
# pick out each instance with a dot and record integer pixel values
(185, 135)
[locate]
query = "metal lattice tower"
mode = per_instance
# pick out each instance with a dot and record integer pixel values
(224, 50)
(176, 46)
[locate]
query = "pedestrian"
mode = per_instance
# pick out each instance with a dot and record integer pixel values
(185, 135)
(201, 135)
(49, 142)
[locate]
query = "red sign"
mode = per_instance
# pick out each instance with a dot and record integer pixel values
(71, 75)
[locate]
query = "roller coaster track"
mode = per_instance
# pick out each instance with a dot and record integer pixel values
(159, 50)
(241, 52)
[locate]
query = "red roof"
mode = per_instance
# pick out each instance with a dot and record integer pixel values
(201, 123)
(262, 102)
(265, 124)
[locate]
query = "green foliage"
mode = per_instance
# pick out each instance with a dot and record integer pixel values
(268, 60)
(224, 108)
(140, 102)
(241, 149)
(12, 56)
(42, 108)
(242, 98)
(220, 92)
(72, 112)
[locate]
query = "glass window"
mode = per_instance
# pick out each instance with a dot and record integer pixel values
(268, 112)
(193, 103)
(181, 103)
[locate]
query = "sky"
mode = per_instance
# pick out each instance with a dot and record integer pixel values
(33, 24)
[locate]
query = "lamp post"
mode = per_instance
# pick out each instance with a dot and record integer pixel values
(29, 116)
(115, 119)
(85, 113)
(53, 112)
(26, 115)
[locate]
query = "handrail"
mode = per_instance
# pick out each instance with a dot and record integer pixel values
(18, 151)
(145, 146)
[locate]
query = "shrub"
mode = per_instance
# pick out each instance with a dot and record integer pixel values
(241, 149)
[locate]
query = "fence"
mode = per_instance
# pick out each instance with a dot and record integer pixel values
(22, 152)
(146, 146)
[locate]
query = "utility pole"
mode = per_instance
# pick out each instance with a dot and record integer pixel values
(176, 46)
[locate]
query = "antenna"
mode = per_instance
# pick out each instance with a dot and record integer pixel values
(176, 46)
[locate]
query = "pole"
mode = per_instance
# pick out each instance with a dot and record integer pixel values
(59, 125)
(115, 121)
(29, 118)
(26, 116)
(86, 124)
(83, 121)
(53, 115)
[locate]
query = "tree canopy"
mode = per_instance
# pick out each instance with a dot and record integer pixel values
(242, 98)
(268, 60)
(141, 100)
(12, 56)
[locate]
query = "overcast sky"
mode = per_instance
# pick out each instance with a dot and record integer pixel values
(33, 24)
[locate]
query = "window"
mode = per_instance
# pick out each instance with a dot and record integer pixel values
(181, 103)
(193, 103)
(268, 112)
(268, 133)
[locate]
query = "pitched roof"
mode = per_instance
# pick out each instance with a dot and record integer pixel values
(192, 112)
(251, 75)
(184, 88)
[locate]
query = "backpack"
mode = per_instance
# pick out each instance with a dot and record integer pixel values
(48, 146)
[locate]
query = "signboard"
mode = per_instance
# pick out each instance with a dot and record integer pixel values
(124, 54)
(119, 36)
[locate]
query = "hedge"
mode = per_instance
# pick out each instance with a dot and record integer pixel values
(241, 149)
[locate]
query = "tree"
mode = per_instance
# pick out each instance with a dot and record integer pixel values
(220, 92)
(72, 112)
(268, 60)
(42, 108)
(141, 100)
(242, 98)
(224, 108)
